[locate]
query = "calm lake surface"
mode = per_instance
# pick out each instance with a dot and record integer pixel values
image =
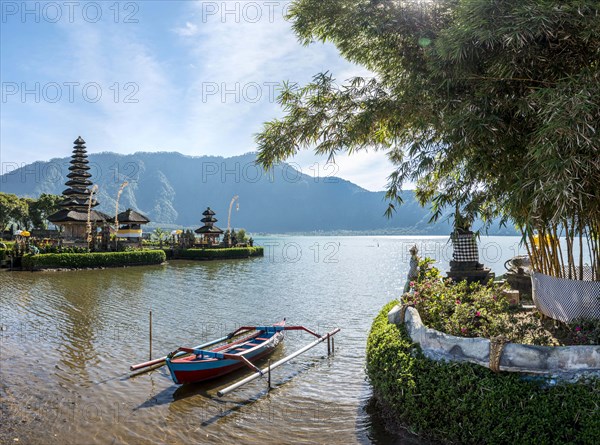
(67, 340)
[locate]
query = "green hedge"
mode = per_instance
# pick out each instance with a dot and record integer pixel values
(214, 254)
(469, 404)
(85, 260)
(4, 254)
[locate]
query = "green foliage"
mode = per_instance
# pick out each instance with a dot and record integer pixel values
(224, 253)
(53, 248)
(91, 260)
(12, 209)
(585, 332)
(27, 212)
(159, 235)
(4, 254)
(151, 243)
(41, 208)
(489, 107)
(242, 236)
(469, 404)
(427, 271)
(474, 310)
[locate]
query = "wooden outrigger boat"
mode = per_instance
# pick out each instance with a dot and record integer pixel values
(191, 365)
(199, 365)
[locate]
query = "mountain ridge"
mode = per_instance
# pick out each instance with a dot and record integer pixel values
(174, 189)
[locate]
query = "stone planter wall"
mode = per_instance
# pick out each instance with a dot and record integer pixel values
(571, 362)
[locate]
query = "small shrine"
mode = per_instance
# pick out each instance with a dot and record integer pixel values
(209, 232)
(78, 203)
(130, 225)
(465, 263)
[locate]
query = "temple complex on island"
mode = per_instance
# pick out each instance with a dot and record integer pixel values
(209, 232)
(78, 199)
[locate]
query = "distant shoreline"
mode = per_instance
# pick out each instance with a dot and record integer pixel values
(381, 232)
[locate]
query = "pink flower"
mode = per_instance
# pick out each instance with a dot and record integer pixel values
(411, 284)
(494, 297)
(478, 314)
(457, 301)
(416, 293)
(463, 330)
(578, 328)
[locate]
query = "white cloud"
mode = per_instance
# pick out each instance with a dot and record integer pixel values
(177, 109)
(369, 169)
(188, 30)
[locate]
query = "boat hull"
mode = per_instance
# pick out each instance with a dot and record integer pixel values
(188, 370)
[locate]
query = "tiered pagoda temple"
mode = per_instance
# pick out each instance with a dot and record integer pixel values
(73, 215)
(209, 232)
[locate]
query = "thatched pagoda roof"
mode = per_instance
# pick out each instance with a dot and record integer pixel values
(77, 194)
(130, 216)
(210, 230)
(208, 212)
(66, 215)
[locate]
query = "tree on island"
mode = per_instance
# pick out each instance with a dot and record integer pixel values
(159, 235)
(11, 209)
(492, 107)
(41, 208)
(27, 212)
(242, 236)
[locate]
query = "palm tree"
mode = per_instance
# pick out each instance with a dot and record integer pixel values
(160, 235)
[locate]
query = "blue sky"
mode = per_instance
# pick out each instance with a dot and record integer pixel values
(198, 77)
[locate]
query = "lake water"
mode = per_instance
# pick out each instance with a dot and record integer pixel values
(68, 338)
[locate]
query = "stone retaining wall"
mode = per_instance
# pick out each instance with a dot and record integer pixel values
(570, 362)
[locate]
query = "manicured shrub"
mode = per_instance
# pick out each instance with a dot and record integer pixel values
(469, 404)
(53, 248)
(214, 254)
(85, 260)
(4, 253)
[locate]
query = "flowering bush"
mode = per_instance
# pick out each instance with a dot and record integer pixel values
(585, 332)
(427, 271)
(474, 310)
(468, 310)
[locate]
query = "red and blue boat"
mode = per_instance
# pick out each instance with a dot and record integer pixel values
(242, 347)
(191, 365)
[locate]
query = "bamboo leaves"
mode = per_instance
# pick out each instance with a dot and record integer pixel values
(498, 112)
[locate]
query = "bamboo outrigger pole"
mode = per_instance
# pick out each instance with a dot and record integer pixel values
(277, 363)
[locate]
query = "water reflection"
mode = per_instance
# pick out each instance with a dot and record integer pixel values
(70, 337)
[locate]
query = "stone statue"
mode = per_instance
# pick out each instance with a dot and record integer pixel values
(413, 271)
